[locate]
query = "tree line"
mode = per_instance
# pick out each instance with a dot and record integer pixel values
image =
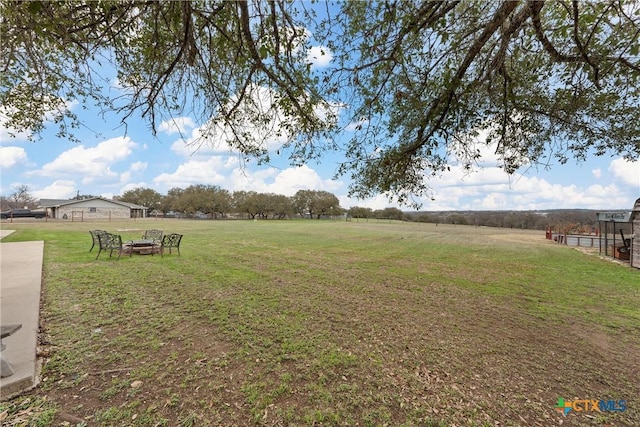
(215, 202)
(581, 221)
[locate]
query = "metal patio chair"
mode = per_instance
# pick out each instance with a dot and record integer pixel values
(110, 242)
(94, 237)
(172, 241)
(155, 235)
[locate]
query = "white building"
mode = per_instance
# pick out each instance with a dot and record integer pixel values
(96, 208)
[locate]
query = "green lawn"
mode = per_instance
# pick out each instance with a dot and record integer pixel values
(331, 323)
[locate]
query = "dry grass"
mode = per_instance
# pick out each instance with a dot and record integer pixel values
(334, 323)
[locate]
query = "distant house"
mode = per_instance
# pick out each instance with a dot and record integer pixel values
(93, 208)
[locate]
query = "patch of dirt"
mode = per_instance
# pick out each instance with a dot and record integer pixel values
(526, 238)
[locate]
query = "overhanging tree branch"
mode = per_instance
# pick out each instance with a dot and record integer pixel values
(419, 78)
(440, 106)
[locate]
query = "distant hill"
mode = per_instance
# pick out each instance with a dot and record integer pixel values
(584, 219)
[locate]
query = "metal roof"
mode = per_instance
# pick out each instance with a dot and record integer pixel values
(54, 203)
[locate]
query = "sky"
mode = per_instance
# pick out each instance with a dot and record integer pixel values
(111, 159)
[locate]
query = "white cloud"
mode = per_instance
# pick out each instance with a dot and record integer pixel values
(8, 134)
(319, 56)
(522, 193)
(378, 202)
(93, 163)
(490, 187)
(626, 171)
(124, 177)
(197, 145)
(194, 172)
(57, 108)
(494, 201)
(12, 156)
(133, 186)
(227, 173)
(259, 123)
(286, 181)
(180, 125)
(267, 135)
(138, 166)
(356, 125)
(290, 180)
(482, 176)
(60, 189)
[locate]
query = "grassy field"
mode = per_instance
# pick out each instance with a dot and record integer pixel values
(299, 323)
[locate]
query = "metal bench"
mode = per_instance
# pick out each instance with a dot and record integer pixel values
(6, 330)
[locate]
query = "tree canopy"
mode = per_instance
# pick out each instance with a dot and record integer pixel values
(415, 86)
(144, 197)
(20, 198)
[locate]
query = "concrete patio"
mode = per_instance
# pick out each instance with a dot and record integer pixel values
(20, 282)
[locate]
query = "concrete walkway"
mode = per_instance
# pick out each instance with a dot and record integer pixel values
(20, 280)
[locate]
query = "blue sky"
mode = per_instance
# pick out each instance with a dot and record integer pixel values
(110, 160)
